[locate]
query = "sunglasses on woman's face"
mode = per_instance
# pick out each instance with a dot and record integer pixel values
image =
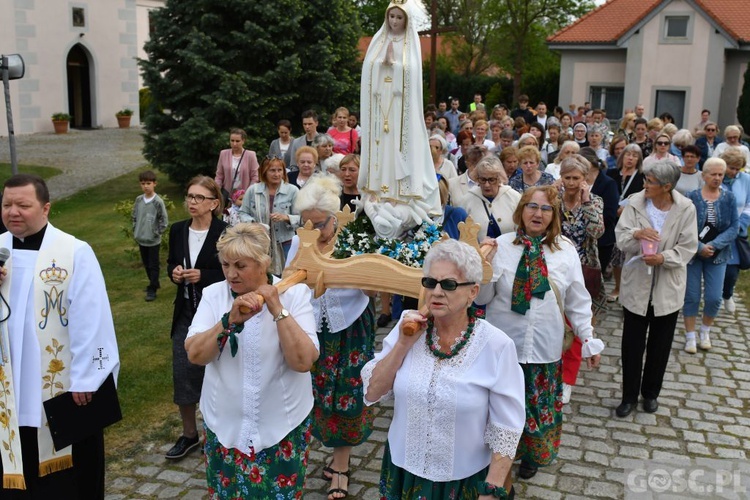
(447, 285)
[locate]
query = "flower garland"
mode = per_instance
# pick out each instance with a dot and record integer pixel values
(358, 237)
(432, 340)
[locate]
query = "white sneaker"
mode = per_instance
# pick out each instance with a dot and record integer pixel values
(705, 342)
(690, 346)
(567, 389)
(729, 305)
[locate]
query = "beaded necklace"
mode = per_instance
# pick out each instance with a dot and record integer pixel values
(461, 341)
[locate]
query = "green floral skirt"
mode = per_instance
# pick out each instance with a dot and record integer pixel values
(340, 417)
(277, 472)
(398, 484)
(541, 434)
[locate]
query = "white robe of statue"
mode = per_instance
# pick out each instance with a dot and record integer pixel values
(396, 173)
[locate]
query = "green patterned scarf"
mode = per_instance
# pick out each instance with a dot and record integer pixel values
(531, 274)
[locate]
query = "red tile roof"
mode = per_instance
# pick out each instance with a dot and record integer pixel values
(608, 22)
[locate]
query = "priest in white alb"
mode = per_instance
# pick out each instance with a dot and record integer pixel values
(57, 337)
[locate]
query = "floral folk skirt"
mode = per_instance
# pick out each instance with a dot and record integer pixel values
(277, 472)
(340, 417)
(541, 433)
(399, 484)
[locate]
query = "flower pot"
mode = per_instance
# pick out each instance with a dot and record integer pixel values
(123, 121)
(61, 126)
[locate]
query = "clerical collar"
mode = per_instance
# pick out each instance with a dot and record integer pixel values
(32, 242)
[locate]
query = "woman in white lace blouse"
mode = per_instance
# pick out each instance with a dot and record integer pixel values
(458, 389)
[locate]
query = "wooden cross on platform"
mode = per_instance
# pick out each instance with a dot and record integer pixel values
(434, 31)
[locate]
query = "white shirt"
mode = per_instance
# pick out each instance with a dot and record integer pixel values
(251, 401)
(339, 306)
(90, 327)
(538, 334)
(450, 415)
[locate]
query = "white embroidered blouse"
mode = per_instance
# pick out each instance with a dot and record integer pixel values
(339, 306)
(251, 401)
(451, 415)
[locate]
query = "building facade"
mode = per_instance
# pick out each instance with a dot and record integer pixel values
(80, 59)
(676, 56)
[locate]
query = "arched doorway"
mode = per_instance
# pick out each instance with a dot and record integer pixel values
(79, 87)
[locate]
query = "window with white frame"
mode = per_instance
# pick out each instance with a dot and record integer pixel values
(676, 27)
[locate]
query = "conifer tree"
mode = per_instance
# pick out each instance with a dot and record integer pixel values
(214, 65)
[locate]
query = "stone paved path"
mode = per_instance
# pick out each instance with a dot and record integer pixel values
(703, 414)
(86, 157)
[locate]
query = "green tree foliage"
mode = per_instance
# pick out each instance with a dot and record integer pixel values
(524, 27)
(743, 105)
(213, 65)
(509, 35)
(371, 15)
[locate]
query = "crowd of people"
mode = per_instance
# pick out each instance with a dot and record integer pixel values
(556, 219)
(478, 377)
(563, 202)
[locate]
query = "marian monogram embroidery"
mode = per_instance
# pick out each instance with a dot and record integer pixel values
(53, 299)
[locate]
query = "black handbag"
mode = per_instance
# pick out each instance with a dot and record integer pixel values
(743, 252)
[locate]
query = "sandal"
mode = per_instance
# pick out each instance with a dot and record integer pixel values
(327, 470)
(613, 298)
(343, 491)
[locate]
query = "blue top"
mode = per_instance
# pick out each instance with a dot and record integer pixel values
(727, 222)
(740, 187)
(451, 217)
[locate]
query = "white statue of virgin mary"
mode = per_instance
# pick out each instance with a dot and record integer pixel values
(397, 174)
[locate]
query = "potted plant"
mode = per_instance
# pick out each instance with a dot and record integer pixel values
(60, 121)
(123, 117)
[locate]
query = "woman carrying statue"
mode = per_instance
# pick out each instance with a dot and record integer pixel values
(396, 166)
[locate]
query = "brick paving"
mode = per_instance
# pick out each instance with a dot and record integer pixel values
(703, 414)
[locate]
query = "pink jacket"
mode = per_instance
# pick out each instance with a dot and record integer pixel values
(248, 170)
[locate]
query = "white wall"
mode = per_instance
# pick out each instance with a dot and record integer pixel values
(43, 34)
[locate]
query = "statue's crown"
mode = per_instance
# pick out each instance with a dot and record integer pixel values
(53, 275)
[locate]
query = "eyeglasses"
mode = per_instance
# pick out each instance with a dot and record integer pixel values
(662, 143)
(488, 180)
(536, 206)
(321, 225)
(198, 198)
(651, 182)
(447, 285)
(733, 137)
(710, 130)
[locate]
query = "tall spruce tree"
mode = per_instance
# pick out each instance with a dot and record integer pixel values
(214, 65)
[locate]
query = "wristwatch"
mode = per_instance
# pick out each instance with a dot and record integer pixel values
(283, 314)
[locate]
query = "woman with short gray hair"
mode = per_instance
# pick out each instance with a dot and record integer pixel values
(718, 222)
(323, 143)
(459, 367)
(733, 137)
(658, 232)
(491, 204)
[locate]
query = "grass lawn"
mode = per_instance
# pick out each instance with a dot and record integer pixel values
(43, 172)
(145, 381)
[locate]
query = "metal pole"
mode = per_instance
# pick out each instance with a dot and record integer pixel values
(9, 115)
(433, 52)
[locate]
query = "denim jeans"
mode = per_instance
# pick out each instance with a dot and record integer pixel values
(730, 279)
(713, 283)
